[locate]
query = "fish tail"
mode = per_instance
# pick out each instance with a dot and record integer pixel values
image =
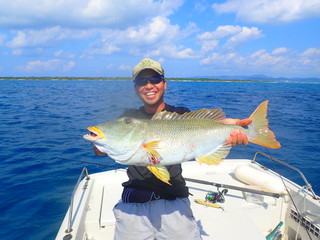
(259, 132)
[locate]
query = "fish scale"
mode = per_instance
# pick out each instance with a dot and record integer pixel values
(187, 139)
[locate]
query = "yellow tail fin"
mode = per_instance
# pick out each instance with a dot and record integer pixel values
(259, 131)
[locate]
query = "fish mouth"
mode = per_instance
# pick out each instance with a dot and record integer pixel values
(95, 133)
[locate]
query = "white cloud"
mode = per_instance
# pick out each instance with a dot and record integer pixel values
(104, 49)
(246, 35)
(311, 57)
(157, 35)
(124, 67)
(63, 54)
(258, 53)
(220, 59)
(46, 37)
(171, 51)
(159, 29)
(311, 52)
(271, 11)
(68, 66)
(177, 52)
(280, 62)
(111, 66)
(47, 66)
(201, 6)
(209, 45)
(2, 38)
(151, 35)
(154, 36)
(143, 28)
(157, 38)
(82, 13)
(236, 36)
(221, 32)
(263, 58)
(27, 51)
(280, 51)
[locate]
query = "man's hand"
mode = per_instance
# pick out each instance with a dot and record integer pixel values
(97, 152)
(237, 137)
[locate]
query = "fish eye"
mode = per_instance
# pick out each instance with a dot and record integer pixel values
(127, 120)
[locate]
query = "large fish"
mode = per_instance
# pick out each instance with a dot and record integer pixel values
(171, 138)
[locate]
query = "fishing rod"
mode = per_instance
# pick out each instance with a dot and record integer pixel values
(219, 185)
(88, 162)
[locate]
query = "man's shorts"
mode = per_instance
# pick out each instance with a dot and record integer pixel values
(157, 219)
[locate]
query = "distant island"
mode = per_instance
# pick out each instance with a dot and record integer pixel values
(256, 78)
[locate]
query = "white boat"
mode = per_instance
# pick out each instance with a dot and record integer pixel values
(242, 212)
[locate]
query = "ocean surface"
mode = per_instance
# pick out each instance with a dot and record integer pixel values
(42, 151)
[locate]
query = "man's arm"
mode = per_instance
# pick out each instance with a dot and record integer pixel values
(237, 137)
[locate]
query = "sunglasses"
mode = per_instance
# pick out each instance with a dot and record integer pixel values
(144, 81)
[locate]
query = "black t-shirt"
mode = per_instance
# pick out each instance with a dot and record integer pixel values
(141, 178)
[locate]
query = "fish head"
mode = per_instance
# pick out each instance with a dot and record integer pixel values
(119, 138)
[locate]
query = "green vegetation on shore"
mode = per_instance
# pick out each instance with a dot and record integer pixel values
(64, 78)
(127, 78)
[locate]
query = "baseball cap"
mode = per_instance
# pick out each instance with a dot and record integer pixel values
(147, 63)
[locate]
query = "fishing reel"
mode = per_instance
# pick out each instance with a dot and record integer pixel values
(214, 197)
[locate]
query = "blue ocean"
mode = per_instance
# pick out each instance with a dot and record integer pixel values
(42, 151)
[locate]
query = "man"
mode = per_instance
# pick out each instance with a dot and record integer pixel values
(151, 209)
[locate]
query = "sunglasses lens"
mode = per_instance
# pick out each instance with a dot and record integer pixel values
(155, 80)
(152, 80)
(140, 81)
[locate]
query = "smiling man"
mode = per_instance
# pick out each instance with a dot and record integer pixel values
(151, 209)
(150, 86)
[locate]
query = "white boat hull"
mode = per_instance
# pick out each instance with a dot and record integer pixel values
(244, 216)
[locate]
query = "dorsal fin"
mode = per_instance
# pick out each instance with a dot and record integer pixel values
(213, 114)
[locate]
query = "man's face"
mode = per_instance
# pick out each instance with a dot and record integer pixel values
(150, 94)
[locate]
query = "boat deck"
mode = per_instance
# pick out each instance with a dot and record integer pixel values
(243, 216)
(240, 219)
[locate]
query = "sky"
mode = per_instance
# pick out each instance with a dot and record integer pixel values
(194, 38)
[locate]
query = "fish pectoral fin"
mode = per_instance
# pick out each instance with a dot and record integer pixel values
(151, 149)
(161, 172)
(215, 157)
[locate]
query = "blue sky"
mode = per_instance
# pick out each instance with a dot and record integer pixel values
(106, 38)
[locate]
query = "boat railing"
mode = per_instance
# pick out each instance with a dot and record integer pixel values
(307, 184)
(84, 171)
